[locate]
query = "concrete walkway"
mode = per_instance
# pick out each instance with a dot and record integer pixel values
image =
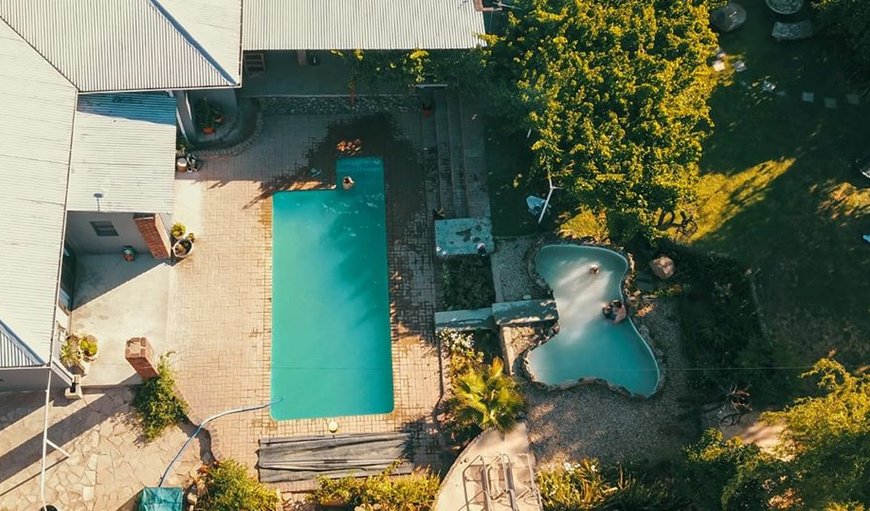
(109, 463)
(492, 473)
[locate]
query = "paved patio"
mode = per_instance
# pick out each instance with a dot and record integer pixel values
(109, 463)
(220, 296)
(116, 300)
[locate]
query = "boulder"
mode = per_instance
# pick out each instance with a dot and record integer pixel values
(728, 17)
(662, 267)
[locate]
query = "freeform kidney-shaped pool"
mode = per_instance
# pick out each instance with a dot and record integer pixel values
(589, 346)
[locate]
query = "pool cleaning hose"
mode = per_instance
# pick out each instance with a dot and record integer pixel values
(199, 428)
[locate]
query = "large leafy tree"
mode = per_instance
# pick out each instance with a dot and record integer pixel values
(827, 438)
(485, 396)
(849, 22)
(615, 95)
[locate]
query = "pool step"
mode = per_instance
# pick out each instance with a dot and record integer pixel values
(457, 169)
(444, 195)
(475, 184)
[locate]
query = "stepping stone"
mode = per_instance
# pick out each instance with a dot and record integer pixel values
(781, 93)
(830, 103)
(808, 97)
(718, 65)
(767, 86)
(853, 99)
(740, 66)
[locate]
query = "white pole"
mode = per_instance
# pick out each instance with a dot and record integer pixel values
(547, 202)
(45, 439)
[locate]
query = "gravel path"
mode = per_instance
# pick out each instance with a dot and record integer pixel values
(592, 421)
(510, 270)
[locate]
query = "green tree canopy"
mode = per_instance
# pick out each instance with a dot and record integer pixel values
(615, 95)
(849, 22)
(827, 438)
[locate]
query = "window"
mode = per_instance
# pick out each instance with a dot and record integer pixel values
(104, 228)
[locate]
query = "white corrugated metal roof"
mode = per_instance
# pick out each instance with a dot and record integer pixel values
(37, 106)
(216, 25)
(14, 351)
(360, 24)
(123, 148)
(116, 45)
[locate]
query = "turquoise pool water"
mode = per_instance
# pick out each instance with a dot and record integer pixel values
(331, 350)
(587, 345)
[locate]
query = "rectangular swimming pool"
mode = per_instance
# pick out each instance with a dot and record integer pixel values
(331, 352)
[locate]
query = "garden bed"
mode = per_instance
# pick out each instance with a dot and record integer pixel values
(467, 283)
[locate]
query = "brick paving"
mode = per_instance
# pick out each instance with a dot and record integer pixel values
(220, 305)
(109, 463)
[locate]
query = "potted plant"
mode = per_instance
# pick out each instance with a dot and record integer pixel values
(88, 345)
(208, 115)
(177, 231)
(71, 354)
(183, 247)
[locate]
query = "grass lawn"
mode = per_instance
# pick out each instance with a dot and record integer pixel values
(778, 192)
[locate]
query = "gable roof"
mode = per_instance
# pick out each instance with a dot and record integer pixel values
(118, 45)
(361, 25)
(124, 149)
(38, 106)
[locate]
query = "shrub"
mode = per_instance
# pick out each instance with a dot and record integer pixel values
(158, 403)
(88, 346)
(467, 283)
(587, 486)
(71, 351)
(178, 229)
(720, 325)
(415, 492)
(228, 487)
(485, 397)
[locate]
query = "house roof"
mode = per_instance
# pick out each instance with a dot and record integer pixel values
(14, 352)
(360, 25)
(124, 149)
(117, 45)
(38, 105)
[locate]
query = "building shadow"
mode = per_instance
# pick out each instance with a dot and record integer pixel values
(62, 432)
(98, 274)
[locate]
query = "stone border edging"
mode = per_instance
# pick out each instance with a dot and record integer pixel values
(625, 290)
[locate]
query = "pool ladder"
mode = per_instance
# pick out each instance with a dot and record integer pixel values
(506, 484)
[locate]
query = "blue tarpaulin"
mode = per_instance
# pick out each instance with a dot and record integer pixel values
(161, 499)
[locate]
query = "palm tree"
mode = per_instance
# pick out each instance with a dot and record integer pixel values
(486, 397)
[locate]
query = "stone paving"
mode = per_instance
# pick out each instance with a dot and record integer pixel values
(109, 462)
(220, 296)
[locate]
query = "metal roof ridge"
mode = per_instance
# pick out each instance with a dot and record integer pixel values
(200, 49)
(28, 43)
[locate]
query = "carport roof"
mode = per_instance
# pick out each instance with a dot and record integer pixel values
(361, 25)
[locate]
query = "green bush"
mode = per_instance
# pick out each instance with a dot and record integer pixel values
(485, 397)
(720, 326)
(467, 283)
(415, 492)
(228, 487)
(178, 229)
(71, 351)
(158, 403)
(586, 486)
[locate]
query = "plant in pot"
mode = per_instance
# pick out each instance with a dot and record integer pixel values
(177, 231)
(71, 354)
(88, 345)
(208, 115)
(183, 247)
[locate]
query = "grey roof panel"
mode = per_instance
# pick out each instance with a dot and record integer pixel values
(124, 149)
(361, 24)
(14, 352)
(35, 135)
(113, 45)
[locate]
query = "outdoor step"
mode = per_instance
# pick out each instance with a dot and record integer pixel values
(457, 171)
(474, 164)
(445, 197)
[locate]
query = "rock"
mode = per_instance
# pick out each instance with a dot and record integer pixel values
(663, 267)
(88, 493)
(728, 17)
